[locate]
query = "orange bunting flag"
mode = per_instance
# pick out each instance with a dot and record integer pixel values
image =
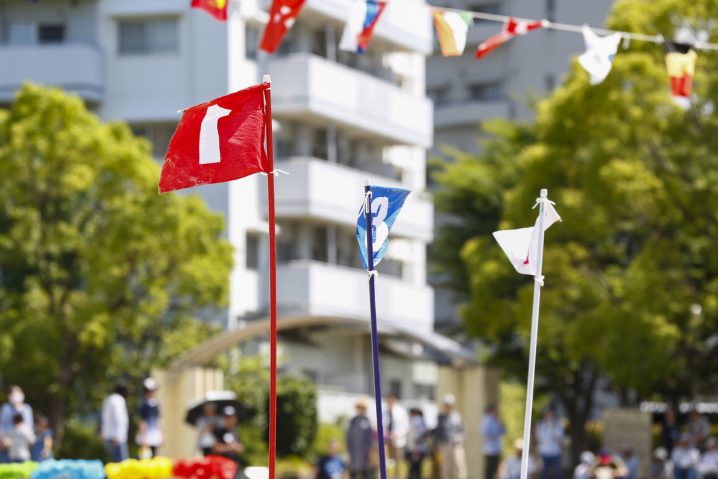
(216, 8)
(451, 30)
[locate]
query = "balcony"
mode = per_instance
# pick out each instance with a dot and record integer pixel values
(405, 24)
(312, 288)
(470, 112)
(76, 68)
(309, 88)
(331, 192)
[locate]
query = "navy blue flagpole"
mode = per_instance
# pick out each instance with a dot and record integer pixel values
(374, 332)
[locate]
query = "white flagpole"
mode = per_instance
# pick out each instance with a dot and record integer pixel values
(538, 282)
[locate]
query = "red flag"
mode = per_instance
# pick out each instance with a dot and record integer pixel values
(282, 16)
(217, 141)
(216, 8)
(512, 28)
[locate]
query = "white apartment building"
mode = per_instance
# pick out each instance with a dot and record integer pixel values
(341, 118)
(467, 92)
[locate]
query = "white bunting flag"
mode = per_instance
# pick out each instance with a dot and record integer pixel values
(599, 55)
(521, 245)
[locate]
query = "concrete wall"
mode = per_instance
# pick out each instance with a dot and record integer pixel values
(629, 428)
(174, 392)
(474, 389)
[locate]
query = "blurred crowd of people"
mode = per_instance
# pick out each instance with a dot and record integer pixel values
(23, 437)
(687, 451)
(408, 441)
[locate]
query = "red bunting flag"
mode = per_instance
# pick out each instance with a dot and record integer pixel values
(681, 69)
(511, 29)
(282, 16)
(217, 141)
(216, 8)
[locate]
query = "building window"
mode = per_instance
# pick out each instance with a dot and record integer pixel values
(486, 91)
(158, 134)
(391, 267)
(50, 33)
(320, 244)
(395, 387)
(319, 144)
(252, 252)
(550, 82)
(439, 95)
(424, 391)
(141, 37)
(251, 42)
(551, 10)
(21, 33)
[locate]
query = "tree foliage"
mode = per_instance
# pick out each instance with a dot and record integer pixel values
(101, 277)
(631, 290)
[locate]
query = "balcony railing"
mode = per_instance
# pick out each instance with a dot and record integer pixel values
(308, 86)
(329, 290)
(74, 67)
(332, 192)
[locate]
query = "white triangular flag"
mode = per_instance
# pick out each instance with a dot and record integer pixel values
(599, 55)
(521, 245)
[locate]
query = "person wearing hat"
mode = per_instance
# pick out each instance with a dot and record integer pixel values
(609, 466)
(115, 423)
(449, 440)
(227, 442)
(415, 442)
(585, 468)
(659, 466)
(511, 467)
(359, 441)
(685, 458)
(149, 436)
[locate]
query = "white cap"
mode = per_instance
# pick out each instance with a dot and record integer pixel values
(150, 384)
(449, 399)
(587, 457)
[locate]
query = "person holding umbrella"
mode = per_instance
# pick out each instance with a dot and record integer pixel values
(227, 442)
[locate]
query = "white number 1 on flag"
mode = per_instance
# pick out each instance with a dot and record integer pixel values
(209, 135)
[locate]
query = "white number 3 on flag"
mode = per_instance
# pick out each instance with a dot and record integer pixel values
(380, 208)
(209, 135)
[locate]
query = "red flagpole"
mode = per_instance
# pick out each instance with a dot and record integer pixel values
(272, 285)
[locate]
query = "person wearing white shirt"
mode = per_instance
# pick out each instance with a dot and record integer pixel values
(492, 431)
(549, 438)
(685, 458)
(115, 423)
(396, 426)
(708, 467)
(511, 467)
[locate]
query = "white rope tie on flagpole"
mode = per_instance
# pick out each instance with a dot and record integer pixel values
(274, 172)
(542, 200)
(567, 27)
(539, 280)
(373, 273)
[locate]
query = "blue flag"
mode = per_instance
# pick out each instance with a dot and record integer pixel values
(385, 206)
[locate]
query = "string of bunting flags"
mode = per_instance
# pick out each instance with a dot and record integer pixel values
(452, 27)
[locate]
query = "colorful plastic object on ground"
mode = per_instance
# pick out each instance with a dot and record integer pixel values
(157, 468)
(69, 469)
(210, 467)
(17, 471)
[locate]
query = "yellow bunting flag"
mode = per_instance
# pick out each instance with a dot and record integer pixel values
(451, 29)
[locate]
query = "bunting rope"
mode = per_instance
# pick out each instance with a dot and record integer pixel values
(567, 27)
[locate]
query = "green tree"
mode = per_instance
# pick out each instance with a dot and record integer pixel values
(631, 292)
(101, 277)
